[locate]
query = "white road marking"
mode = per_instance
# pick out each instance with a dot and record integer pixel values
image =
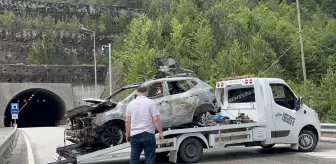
(330, 154)
(44, 141)
(29, 149)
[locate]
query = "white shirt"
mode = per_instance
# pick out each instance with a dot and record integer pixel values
(142, 110)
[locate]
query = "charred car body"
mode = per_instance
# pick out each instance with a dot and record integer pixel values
(183, 100)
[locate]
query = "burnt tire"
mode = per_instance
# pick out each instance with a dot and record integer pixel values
(111, 135)
(307, 141)
(191, 150)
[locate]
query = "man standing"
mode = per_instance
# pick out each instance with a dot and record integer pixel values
(142, 116)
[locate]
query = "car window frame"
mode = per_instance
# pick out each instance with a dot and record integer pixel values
(164, 89)
(187, 80)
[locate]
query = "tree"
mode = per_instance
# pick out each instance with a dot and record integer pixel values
(135, 56)
(217, 38)
(329, 6)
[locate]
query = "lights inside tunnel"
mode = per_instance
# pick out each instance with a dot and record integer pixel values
(37, 108)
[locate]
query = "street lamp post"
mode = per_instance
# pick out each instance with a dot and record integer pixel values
(110, 65)
(94, 56)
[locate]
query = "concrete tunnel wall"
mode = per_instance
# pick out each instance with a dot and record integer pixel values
(71, 94)
(69, 83)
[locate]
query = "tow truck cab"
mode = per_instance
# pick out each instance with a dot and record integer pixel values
(270, 100)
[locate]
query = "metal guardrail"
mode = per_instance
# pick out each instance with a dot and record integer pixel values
(328, 128)
(7, 145)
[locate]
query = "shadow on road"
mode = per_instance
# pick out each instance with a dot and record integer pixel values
(231, 154)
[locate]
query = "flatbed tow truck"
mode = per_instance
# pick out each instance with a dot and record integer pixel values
(259, 111)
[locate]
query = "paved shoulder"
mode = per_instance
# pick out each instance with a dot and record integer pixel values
(44, 142)
(19, 154)
(325, 150)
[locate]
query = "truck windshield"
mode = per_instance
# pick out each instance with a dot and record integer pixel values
(241, 95)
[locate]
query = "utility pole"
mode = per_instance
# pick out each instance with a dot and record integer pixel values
(110, 68)
(95, 62)
(301, 42)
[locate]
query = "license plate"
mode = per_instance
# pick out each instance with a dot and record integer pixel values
(57, 157)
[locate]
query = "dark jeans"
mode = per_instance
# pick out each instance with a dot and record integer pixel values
(143, 141)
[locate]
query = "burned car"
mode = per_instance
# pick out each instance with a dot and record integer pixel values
(182, 100)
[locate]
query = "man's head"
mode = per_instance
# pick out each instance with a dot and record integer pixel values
(142, 91)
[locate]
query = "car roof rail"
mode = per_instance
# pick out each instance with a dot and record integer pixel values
(182, 75)
(169, 66)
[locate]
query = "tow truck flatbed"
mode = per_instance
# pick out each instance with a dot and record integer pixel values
(208, 137)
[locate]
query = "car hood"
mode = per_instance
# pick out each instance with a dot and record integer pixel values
(96, 106)
(94, 100)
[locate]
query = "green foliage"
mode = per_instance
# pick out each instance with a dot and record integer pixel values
(218, 38)
(134, 60)
(106, 23)
(126, 3)
(329, 6)
(326, 97)
(9, 21)
(47, 51)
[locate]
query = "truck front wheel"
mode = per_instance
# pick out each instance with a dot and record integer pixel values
(307, 141)
(191, 150)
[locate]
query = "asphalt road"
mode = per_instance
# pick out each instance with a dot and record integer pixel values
(325, 153)
(44, 141)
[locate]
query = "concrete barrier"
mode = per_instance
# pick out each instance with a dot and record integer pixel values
(7, 144)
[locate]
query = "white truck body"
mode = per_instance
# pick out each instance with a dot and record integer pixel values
(268, 100)
(279, 117)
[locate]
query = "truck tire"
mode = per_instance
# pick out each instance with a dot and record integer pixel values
(191, 150)
(307, 141)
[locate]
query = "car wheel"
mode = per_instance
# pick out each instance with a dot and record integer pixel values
(307, 141)
(191, 150)
(112, 135)
(204, 119)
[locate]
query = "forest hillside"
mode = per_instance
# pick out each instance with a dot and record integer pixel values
(218, 38)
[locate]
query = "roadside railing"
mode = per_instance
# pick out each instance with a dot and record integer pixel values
(7, 145)
(328, 130)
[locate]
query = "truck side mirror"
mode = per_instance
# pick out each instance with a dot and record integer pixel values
(299, 103)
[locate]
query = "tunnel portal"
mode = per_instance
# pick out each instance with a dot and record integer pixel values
(37, 108)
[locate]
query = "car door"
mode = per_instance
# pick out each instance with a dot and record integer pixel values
(158, 93)
(283, 109)
(183, 102)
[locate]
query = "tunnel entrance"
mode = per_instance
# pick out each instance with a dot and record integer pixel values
(37, 108)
